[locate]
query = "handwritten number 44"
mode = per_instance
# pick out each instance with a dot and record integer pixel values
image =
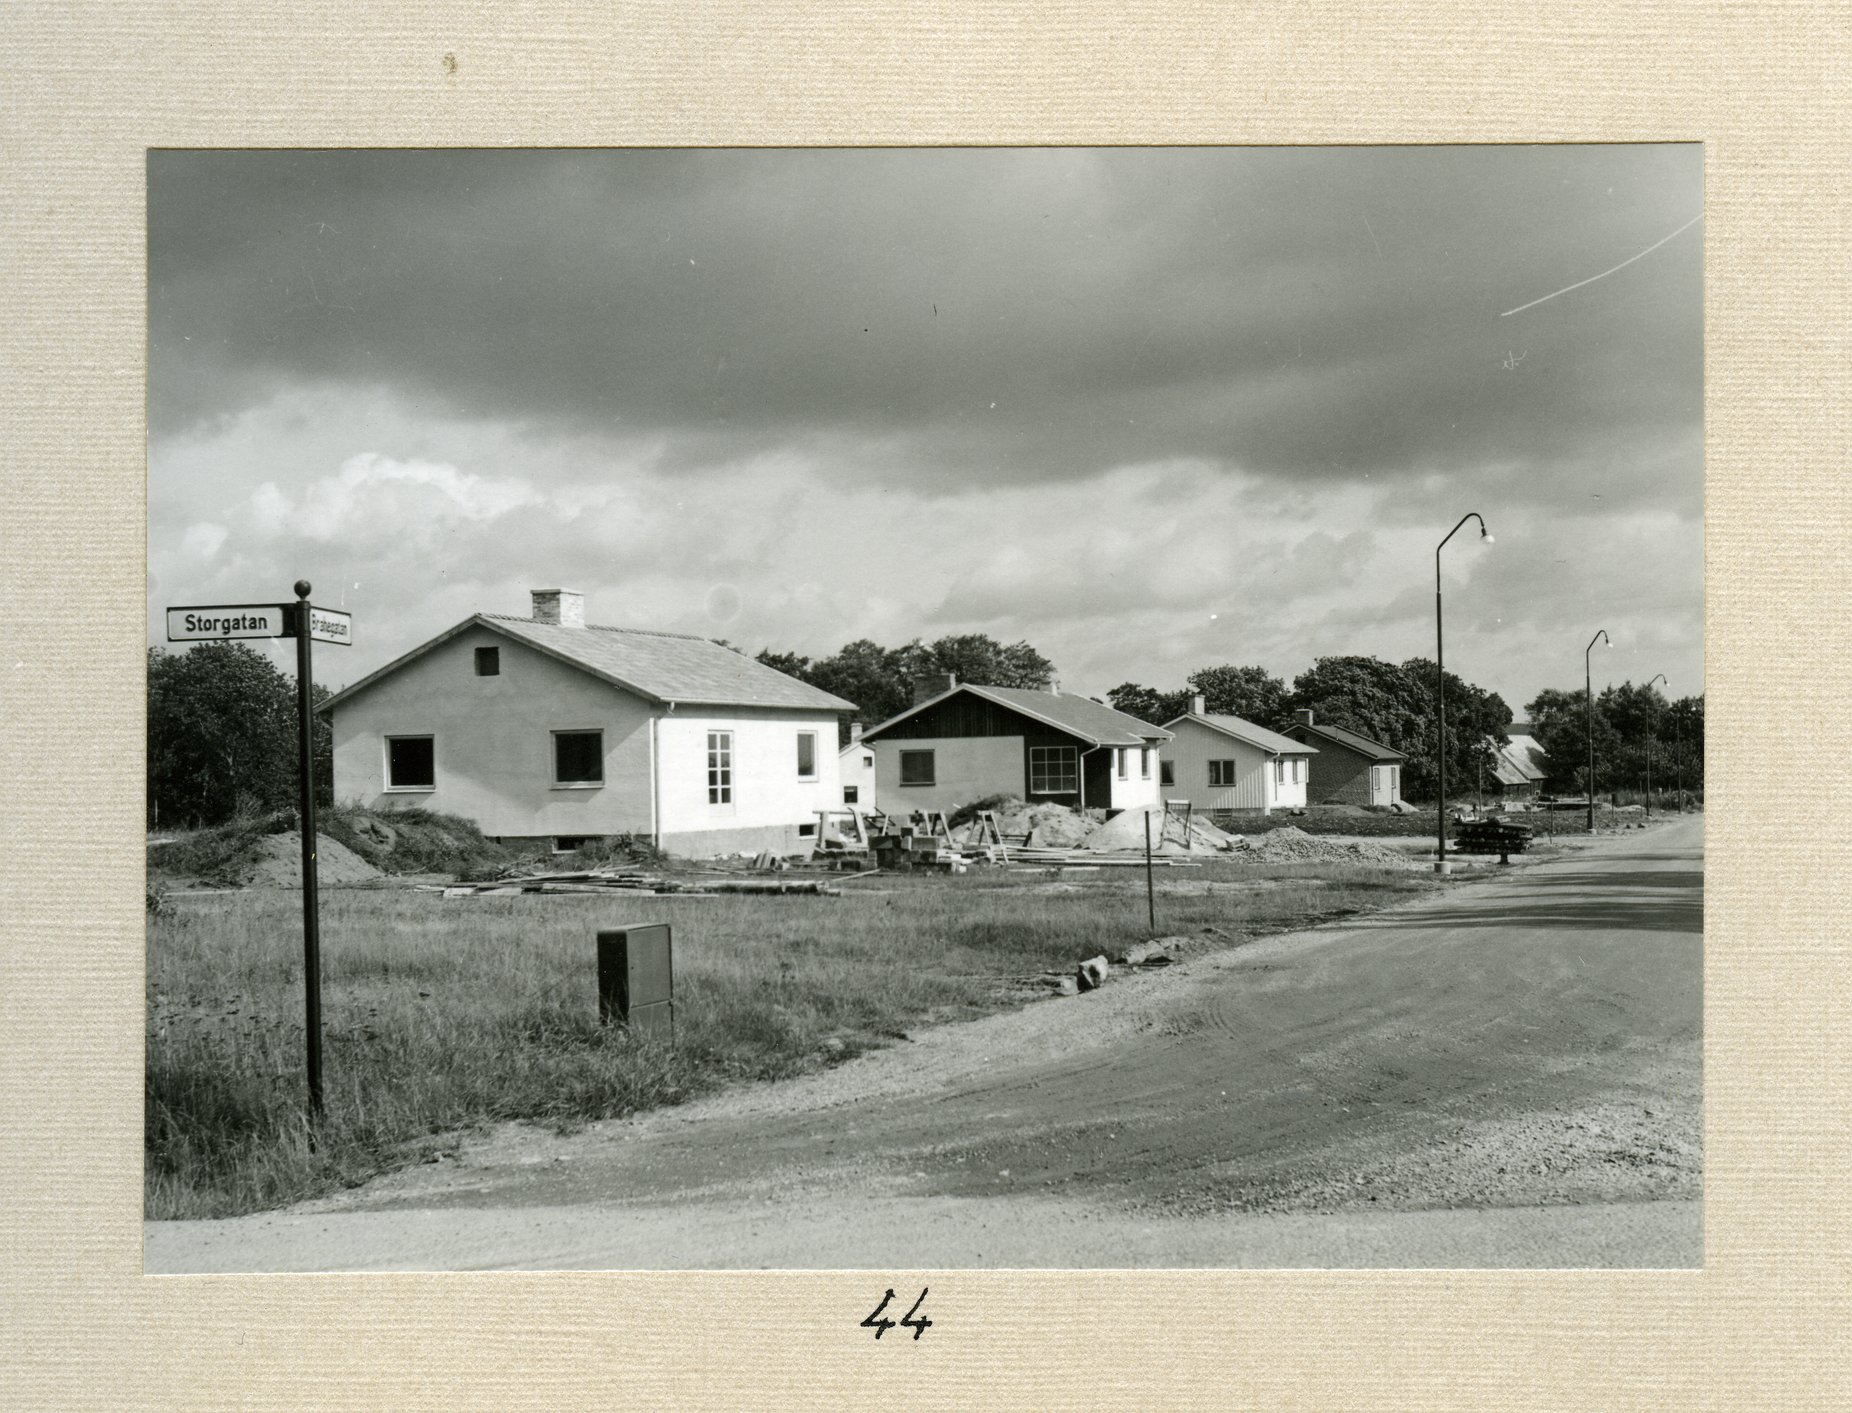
(881, 1326)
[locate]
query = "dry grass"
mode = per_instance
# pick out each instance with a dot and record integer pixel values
(445, 1015)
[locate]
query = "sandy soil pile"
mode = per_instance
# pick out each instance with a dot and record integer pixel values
(279, 862)
(1293, 845)
(1127, 831)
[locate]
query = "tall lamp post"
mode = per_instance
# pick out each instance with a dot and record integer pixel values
(1651, 733)
(1588, 700)
(1440, 698)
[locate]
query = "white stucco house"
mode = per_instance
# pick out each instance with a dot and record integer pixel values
(1222, 762)
(855, 766)
(960, 743)
(548, 728)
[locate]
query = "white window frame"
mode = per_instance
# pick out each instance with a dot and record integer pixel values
(720, 767)
(1144, 762)
(1051, 763)
(1122, 762)
(1298, 770)
(932, 767)
(801, 775)
(553, 757)
(385, 762)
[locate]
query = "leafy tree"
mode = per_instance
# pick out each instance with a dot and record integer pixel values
(790, 664)
(222, 736)
(1394, 703)
(1146, 704)
(880, 680)
(1252, 693)
(1476, 722)
(1559, 721)
(1634, 726)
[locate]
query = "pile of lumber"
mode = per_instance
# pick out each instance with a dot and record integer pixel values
(648, 885)
(1062, 858)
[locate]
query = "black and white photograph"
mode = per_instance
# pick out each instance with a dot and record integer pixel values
(918, 708)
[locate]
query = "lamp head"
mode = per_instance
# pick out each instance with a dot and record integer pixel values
(1486, 535)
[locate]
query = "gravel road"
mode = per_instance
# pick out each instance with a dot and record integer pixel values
(1503, 1075)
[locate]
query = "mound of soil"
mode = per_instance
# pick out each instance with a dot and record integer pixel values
(277, 862)
(1126, 830)
(1291, 845)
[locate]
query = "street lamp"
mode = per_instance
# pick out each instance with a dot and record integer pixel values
(1440, 697)
(1651, 731)
(1588, 700)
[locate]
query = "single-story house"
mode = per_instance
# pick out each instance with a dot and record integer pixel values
(550, 728)
(1517, 766)
(855, 766)
(962, 742)
(1350, 768)
(1226, 763)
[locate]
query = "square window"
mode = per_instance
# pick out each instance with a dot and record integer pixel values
(720, 767)
(851, 794)
(1054, 770)
(411, 763)
(1221, 772)
(806, 755)
(578, 757)
(488, 662)
(916, 768)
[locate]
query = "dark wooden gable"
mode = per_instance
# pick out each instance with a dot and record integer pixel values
(967, 714)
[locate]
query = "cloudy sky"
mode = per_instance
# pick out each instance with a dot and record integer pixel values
(1151, 410)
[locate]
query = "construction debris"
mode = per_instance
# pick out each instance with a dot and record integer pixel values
(630, 881)
(1091, 974)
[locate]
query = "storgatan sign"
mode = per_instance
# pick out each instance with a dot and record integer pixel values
(228, 620)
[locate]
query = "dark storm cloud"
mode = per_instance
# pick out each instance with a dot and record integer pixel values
(1309, 314)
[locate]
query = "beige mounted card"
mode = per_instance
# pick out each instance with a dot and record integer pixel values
(1155, 347)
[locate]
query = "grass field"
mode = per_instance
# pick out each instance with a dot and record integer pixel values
(444, 1015)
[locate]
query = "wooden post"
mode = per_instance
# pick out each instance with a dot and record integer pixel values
(1150, 887)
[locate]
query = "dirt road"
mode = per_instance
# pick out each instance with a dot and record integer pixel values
(1507, 1074)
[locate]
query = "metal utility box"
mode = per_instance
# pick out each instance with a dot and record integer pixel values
(636, 980)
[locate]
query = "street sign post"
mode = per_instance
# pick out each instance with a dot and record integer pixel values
(307, 624)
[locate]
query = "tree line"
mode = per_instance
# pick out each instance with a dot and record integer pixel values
(1638, 732)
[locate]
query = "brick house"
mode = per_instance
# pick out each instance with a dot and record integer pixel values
(1350, 768)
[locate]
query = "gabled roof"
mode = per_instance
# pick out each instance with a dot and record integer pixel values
(1081, 717)
(659, 667)
(1257, 736)
(1362, 745)
(1516, 762)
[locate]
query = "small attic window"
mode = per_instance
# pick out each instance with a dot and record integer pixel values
(488, 662)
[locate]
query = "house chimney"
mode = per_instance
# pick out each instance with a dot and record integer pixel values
(1199, 705)
(855, 731)
(1303, 716)
(560, 606)
(932, 684)
(1054, 687)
